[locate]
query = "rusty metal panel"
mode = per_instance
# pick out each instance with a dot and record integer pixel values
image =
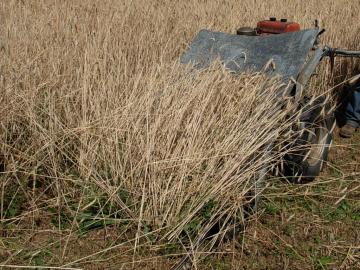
(251, 53)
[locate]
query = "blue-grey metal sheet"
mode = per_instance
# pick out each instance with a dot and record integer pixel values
(252, 53)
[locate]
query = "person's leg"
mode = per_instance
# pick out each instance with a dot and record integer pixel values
(352, 113)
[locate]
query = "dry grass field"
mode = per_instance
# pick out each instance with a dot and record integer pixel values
(113, 157)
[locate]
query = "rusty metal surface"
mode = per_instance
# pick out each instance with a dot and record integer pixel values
(246, 53)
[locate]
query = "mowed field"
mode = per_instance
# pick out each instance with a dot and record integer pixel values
(113, 157)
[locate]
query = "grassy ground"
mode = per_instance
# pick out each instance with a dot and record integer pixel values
(313, 226)
(108, 148)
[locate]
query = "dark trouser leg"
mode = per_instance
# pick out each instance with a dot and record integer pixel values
(352, 112)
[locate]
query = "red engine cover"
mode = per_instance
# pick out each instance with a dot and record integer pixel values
(273, 26)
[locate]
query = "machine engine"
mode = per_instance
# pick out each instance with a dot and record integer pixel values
(270, 27)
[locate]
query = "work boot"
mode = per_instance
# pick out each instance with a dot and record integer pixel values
(347, 131)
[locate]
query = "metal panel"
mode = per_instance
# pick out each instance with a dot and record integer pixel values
(307, 70)
(252, 53)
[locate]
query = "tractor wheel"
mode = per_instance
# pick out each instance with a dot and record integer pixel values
(311, 149)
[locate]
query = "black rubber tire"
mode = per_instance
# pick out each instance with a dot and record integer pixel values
(305, 163)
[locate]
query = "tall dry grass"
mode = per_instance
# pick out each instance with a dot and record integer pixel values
(97, 111)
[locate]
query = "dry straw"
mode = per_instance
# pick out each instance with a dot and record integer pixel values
(97, 111)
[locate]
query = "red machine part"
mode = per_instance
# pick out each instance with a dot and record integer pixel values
(273, 26)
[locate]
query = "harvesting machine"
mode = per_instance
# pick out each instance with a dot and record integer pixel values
(295, 54)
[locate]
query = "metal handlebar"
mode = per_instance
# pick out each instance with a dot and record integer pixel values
(332, 52)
